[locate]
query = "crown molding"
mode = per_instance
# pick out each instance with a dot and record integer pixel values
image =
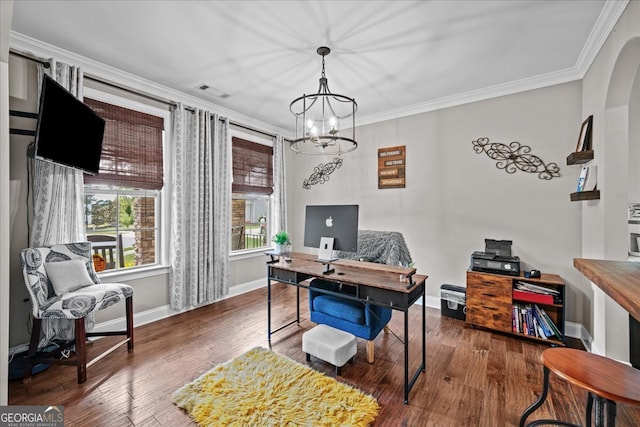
(510, 88)
(608, 18)
(43, 50)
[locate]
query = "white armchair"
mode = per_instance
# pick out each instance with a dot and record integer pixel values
(63, 284)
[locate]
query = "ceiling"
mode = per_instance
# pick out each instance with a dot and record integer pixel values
(394, 57)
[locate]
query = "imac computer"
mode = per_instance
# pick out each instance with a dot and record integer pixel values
(329, 228)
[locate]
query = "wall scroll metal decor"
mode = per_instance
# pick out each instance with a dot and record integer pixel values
(515, 157)
(321, 173)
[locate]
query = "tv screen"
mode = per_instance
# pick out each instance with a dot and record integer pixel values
(337, 221)
(68, 131)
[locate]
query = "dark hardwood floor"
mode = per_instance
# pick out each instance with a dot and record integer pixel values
(473, 377)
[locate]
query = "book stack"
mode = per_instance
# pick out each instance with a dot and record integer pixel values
(532, 320)
(528, 317)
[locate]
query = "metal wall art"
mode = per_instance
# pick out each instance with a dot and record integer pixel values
(515, 157)
(321, 173)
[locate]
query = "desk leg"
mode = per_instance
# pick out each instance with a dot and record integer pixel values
(424, 328)
(408, 385)
(268, 309)
(298, 302)
(406, 357)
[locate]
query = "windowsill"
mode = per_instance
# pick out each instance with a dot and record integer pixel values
(133, 274)
(252, 253)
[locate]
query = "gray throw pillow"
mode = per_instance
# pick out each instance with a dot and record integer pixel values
(68, 276)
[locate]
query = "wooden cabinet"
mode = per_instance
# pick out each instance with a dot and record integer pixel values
(490, 302)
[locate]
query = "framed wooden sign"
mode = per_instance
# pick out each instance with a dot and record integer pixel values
(391, 167)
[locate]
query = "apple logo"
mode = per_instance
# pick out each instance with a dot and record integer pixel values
(329, 222)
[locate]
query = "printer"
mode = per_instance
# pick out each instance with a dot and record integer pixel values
(496, 258)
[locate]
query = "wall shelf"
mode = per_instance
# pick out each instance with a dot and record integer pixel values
(580, 157)
(585, 195)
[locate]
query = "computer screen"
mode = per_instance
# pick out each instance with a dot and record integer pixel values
(337, 221)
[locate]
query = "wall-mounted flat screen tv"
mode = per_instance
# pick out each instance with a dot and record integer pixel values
(68, 131)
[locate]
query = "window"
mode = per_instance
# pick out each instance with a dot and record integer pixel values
(251, 194)
(121, 224)
(122, 202)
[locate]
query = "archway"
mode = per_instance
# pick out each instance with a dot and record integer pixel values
(620, 181)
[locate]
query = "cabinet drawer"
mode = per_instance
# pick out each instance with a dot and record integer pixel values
(489, 287)
(489, 292)
(489, 314)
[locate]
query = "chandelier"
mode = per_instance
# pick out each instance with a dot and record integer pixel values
(319, 118)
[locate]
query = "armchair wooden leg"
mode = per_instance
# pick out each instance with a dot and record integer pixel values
(33, 349)
(370, 351)
(81, 349)
(129, 315)
(386, 329)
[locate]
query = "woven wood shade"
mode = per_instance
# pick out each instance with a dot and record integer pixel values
(252, 167)
(131, 149)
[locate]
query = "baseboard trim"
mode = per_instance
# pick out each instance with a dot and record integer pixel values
(162, 312)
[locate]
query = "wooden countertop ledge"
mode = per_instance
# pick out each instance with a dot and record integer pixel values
(618, 279)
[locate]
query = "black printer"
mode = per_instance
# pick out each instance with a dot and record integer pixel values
(496, 258)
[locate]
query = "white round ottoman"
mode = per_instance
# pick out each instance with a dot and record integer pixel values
(329, 344)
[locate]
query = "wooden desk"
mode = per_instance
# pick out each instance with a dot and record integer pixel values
(621, 281)
(375, 284)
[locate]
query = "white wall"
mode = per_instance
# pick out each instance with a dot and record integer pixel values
(609, 93)
(6, 14)
(455, 198)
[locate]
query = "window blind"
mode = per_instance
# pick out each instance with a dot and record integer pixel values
(252, 167)
(131, 148)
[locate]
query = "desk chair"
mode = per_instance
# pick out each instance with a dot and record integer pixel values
(606, 380)
(362, 320)
(62, 284)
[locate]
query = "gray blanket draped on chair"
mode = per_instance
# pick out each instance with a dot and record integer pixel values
(385, 247)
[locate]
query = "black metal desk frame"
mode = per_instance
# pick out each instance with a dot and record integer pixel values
(364, 293)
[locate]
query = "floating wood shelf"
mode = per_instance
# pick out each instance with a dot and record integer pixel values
(585, 195)
(580, 157)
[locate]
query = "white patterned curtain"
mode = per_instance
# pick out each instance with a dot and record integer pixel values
(201, 208)
(58, 201)
(58, 190)
(279, 197)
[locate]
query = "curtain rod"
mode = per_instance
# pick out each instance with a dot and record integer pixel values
(46, 64)
(30, 57)
(271, 135)
(131, 91)
(171, 103)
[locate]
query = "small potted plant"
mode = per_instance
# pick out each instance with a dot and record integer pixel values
(282, 242)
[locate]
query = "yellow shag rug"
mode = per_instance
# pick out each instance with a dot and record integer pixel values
(262, 388)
